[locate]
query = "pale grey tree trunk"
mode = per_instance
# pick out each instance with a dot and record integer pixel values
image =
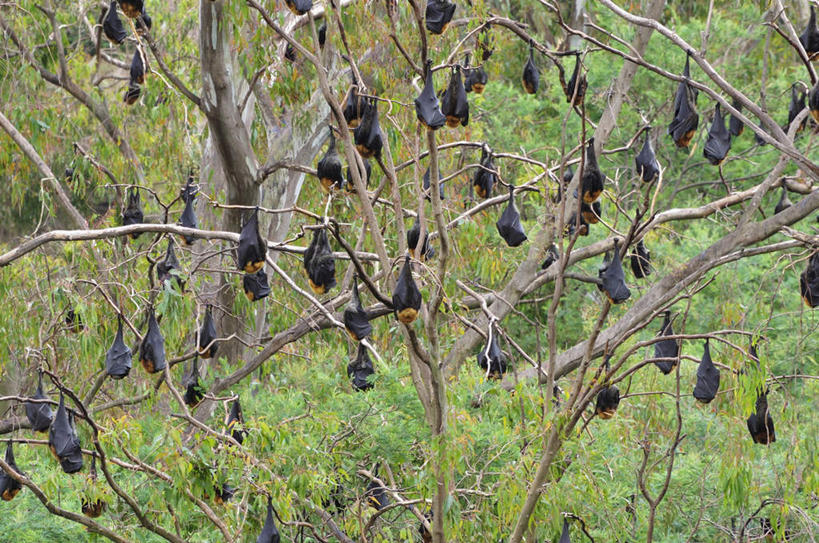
(229, 166)
(577, 20)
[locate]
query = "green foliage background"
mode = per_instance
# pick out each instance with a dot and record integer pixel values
(306, 425)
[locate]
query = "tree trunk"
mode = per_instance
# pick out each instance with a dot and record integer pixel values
(577, 21)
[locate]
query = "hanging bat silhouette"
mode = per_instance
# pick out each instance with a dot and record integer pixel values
(235, 422)
(810, 36)
(9, 487)
(568, 174)
(335, 501)
(684, 124)
(707, 377)
(758, 139)
(813, 101)
(270, 534)
(133, 212)
(508, 225)
(735, 126)
(406, 300)
(73, 321)
(571, 225)
(475, 80)
(223, 493)
(760, 423)
(552, 256)
(207, 336)
(564, 535)
(809, 281)
(255, 285)
(376, 495)
(92, 509)
(531, 75)
(329, 169)
(131, 8)
(321, 265)
(368, 133)
(438, 15)
(485, 42)
(719, 140)
(39, 415)
(360, 369)
(641, 261)
(143, 22)
(137, 69)
(132, 93)
(646, 160)
(63, 440)
(613, 280)
(593, 179)
(491, 359)
(354, 106)
(796, 106)
(752, 351)
(576, 81)
(166, 267)
(454, 104)
(590, 213)
(322, 35)
(299, 7)
(767, 529)
(152, 348)
(427, 108)
(188, 218)
(310, 251)
(485, 177)
(355, 317)
(667, 348)
(608, 399)
(426, 535)
(190, 190)
(194, 392)
(412, 242)
(252, 247)
(118, 357)
(784, 202)
(368, 170)
(428, 184)
(112, 25)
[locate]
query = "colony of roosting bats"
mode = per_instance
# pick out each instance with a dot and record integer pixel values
(360, 113)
